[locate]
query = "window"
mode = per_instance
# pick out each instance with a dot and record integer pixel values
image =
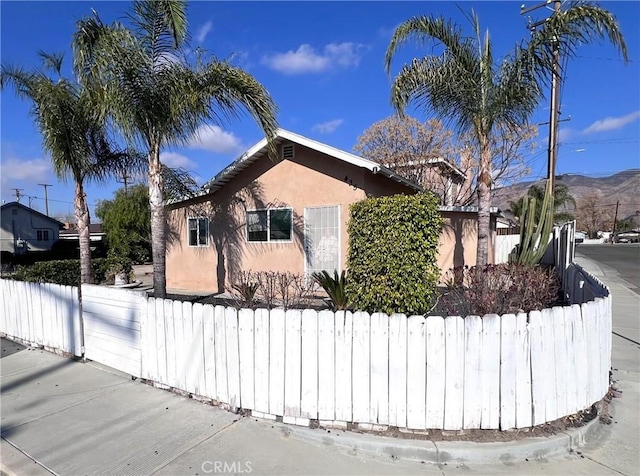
(43, 235)
(198, 231)
(269, 225)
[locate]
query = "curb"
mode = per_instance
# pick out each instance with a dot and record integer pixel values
(443, 452)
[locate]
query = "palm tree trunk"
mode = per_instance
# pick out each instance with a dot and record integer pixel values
(484, 204)
(82, 216)
(158, 224)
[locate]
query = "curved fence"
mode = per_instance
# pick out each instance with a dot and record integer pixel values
(491, 372)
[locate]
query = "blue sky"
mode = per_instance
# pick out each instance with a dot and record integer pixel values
(323, 62)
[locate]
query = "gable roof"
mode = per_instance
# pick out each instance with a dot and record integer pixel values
(261, 149)
(31, 210)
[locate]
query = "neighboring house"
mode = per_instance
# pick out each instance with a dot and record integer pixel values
(70, 232)
(25, 229)
(289, 215)
(438, 175)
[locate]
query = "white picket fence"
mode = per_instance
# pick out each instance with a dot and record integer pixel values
(510, 371)
(112, 326)
(46, 315)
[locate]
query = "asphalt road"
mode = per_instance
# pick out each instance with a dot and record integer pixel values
(623, 257)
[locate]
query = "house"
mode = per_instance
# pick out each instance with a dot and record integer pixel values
(25, 229)
(70, 232)
(288, 215)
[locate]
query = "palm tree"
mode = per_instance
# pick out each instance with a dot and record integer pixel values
(157, 98)
(465, 87)
(561, 198)
(76, 138)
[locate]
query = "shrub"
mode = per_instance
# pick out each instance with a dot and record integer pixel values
(63, 272)
(271, 289)
(245, 286)
(393, 245)
(335, 287)
(500, 289)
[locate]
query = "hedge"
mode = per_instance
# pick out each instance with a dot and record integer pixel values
(393, 247)
(63, 272)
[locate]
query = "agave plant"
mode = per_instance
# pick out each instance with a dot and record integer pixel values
(335, 287)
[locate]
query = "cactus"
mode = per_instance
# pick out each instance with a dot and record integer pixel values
(534, 239)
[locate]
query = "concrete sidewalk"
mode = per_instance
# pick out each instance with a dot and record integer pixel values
(64, 417)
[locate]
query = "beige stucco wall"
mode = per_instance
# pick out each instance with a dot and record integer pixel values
(459, 240)
(310, 179)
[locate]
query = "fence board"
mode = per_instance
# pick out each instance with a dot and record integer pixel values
(548, 358)
(210, 344)
(309, 397)
(148, 344)
(454, 373)
(580, 358)
(246, 347)
(379, 401)
(436, 367)
(326, 366)
(361, 359)
(570, 350)
(524, 411)
(293, 363)
(170, 333)
(560, 357)
(276, 361)
(233, 357)
(198, 366)
(181, 348)
(344, 339)
(539, 373)
(193, 349)
(222, 387)
(472, 381)
(78, 329)
(261, 377)
(398, 370)
(161, 342)
(508, 379)
(416, 372)
(490, 371)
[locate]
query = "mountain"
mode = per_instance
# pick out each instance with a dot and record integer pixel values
(623, 186)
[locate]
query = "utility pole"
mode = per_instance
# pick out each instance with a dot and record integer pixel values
(615, 219)
(125, 180)
(552, 154)
(18, 194)
(46, 197)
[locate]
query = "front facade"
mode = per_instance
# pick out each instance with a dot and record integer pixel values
(25, 229)
(287, 215)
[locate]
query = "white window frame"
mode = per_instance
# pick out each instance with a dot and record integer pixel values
(306, 265)
(198, 244)
(268, 240)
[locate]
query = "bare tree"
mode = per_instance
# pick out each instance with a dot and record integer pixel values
(430, 155)
(592, 216)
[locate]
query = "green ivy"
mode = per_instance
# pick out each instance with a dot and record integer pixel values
(393, 249)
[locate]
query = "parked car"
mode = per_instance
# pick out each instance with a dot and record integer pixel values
(580, 237)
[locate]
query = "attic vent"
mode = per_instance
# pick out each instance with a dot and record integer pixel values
(288, 151)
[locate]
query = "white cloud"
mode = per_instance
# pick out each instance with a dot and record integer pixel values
(30, 170)
(173, 159)
(612, 123)
(564, 134)
(204, 31)
(307, 60)
(327, 127)
(214, 139)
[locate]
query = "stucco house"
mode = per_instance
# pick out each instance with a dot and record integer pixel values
(25, 229)
(287, 215)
